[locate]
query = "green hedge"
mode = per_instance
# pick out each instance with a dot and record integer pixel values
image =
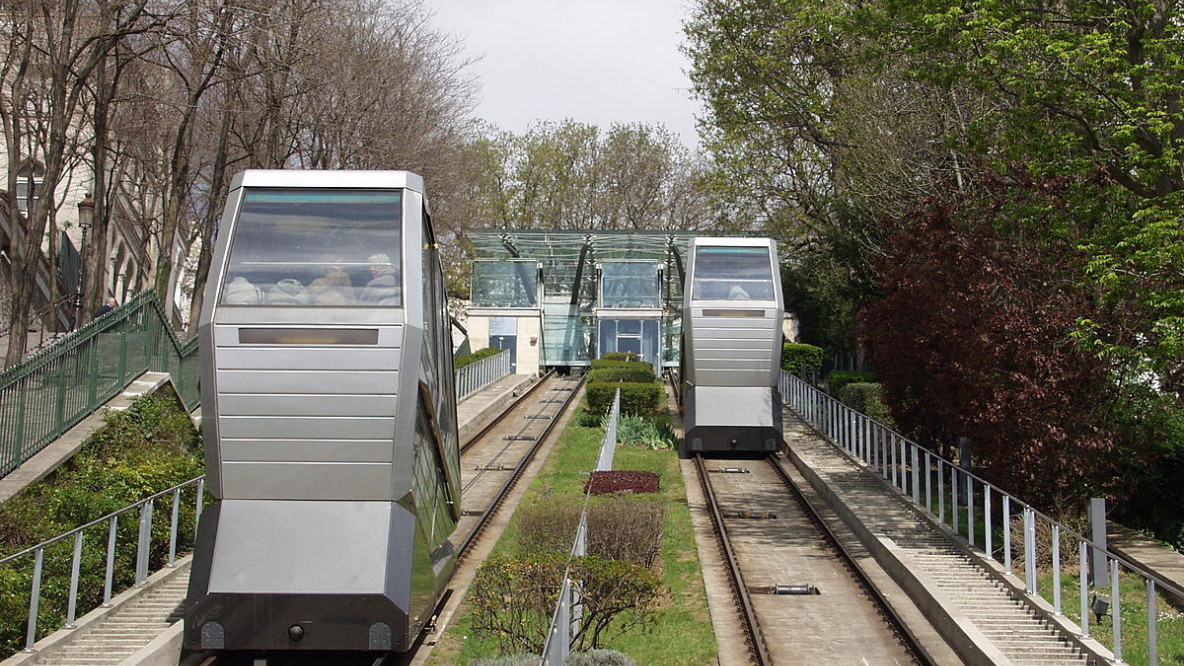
(794, 355)
(622, 374)
(840, 378)
(613, 363)
(619, 356)
(468, 359)
(637, 398)
(867, 398)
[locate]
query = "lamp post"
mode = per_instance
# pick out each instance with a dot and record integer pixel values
(86, 216)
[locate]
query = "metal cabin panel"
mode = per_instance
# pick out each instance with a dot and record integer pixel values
(298, 381)
(334, 547)
(305, 404)
(328, 428)
(273, 358)
(306, 450)
(307, 480)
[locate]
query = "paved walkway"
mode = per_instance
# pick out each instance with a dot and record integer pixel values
(1149, 554)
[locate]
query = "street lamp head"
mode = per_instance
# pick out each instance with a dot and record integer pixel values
(86, 212)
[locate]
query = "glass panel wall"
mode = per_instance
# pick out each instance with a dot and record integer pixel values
(630, 285)
(505, 284)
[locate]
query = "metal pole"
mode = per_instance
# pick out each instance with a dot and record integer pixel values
(928, 482)
(970, 509)
(1029, 551)
(75, 570)
(1056, 568)
(1115, 610)
(1084, 587)
(144, 543)
(987, 541)
(1152, 638)
(107, 581)
(173, 527)
(916, 475)
(34, 600)
(1007, 533)
(941, 491)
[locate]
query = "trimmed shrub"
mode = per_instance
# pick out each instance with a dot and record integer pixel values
(547, 528)
(840, 378)
(609, 363)
(622, 374)
(619, 356)
(639, 399)
(794, 355)
(512, 599)
(620, 527)
(866, 398)
(626, 528)
(468, 359)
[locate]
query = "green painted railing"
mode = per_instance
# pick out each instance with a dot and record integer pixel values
(51, 391)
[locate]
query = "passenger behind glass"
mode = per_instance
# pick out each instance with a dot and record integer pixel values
(333, 287)
(383, 288)
(737, 293)
(240, 291)
(288, 292)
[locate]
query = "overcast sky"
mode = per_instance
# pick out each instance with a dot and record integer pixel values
(594, 61)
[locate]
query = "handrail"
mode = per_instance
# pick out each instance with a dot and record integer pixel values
(913, 470)
(476, 376)
(55, 388)
(141, 561)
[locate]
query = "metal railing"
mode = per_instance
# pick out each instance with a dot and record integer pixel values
(476, 376)
(117, 562)
(565, 621)
(51, 391)
(982, 513)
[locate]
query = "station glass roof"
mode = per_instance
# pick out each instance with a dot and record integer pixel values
(602, 245)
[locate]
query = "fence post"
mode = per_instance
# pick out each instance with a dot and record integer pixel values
(144, 544)
(34, 600)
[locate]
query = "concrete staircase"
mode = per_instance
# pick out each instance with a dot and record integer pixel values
(968, 599)
(139, 623)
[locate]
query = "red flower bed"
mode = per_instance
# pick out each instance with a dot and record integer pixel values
(605, 482)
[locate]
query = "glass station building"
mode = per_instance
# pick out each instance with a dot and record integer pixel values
(558, 299)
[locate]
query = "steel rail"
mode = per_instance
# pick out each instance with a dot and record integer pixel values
(501, 416)
(894, 619)
(756, 641)
(526, 459)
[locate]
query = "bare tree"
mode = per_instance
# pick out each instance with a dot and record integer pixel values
(54, 47)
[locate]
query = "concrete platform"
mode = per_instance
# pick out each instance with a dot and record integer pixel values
(1151, 555)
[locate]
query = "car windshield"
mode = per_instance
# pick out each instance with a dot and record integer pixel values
(316, 248)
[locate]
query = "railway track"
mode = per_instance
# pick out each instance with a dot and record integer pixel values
(788, 568)
(492, 464)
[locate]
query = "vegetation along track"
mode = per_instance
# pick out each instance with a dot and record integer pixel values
(792, 575)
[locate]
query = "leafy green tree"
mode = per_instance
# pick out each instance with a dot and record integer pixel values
(571, 175)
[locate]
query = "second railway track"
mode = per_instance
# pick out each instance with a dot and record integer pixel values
(783, 554)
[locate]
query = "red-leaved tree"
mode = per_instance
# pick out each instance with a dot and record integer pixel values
(973, 338)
